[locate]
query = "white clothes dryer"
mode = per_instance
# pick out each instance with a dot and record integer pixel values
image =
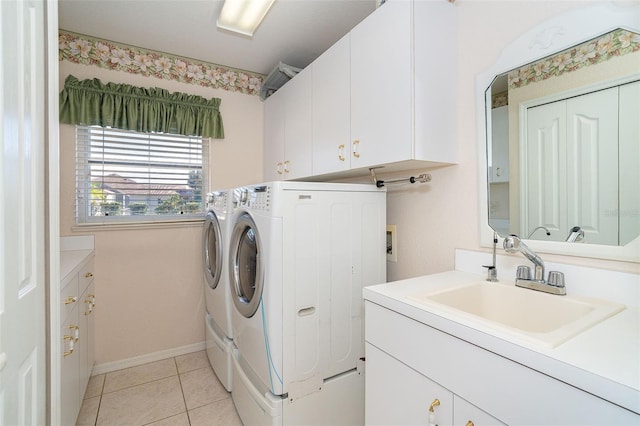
(300, 253)
(219, 333)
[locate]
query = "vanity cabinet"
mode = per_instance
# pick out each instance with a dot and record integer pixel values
(413, 399)
(287, 130)
(409, 364)
(77, 297)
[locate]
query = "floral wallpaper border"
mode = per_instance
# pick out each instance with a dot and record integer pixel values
(81, 49)
(616, 43)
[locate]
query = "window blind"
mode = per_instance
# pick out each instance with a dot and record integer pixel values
(124, 176)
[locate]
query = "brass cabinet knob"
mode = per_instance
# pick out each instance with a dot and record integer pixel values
(88, 275)
(70, 299)
(469, 423)
(435, 403)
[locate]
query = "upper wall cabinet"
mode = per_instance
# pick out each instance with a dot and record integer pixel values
(287, 130)
(403, 80)
(383, 95)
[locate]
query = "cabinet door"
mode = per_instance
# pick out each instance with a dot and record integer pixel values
(331, 109)
(382, 86)
(398, 395)
(69, 370)
(297, 126)
(467, 414)
(274, 136)
(86, 342)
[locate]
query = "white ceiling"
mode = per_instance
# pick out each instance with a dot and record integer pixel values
(294, 31)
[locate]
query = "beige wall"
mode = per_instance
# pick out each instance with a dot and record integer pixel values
(436, 218)
(149, 281)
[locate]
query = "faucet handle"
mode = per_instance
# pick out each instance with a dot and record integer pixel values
(556, 278)
(523, 273)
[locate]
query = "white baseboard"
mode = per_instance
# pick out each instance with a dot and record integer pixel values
(108, 367)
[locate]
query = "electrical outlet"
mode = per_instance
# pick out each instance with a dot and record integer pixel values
(392, 244)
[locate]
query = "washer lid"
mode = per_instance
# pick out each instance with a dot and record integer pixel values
(212, 242)
(246, 269)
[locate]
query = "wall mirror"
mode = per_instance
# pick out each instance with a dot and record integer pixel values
(560, 136)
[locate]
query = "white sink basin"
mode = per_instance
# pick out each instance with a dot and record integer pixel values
(537, 317)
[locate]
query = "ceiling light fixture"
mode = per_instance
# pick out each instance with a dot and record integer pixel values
(243, 16)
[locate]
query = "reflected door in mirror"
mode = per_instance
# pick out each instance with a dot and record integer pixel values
(570, 175)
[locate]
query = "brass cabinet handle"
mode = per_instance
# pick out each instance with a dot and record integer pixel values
(469, 423)
(341, 152)
(91, 305)
(435, 403)
(76, 332)
(88, 275)
(356, 143)
(70, 299)
(286, 166)
(279, 168)
(69, 339)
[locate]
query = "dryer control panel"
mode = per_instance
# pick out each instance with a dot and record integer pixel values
(254, 197)
(218, 200)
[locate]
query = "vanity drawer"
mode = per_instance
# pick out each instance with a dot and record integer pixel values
(86, 273)
(69, 297)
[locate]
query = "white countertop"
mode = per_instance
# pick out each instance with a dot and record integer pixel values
(70, 260)
(603, 360)
(73, 251)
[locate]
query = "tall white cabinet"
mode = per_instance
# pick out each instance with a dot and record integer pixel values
(383, 95)
(77, 303)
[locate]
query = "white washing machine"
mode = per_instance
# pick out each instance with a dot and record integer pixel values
(219, 333)
(299, 256)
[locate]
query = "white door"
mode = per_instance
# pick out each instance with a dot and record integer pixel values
(22, 206)
(570, 174)
(544, 178)
(592, 165)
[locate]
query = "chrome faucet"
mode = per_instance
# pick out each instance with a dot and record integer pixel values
(555, 283)
(492, 271)
(539, 227)
(576, 234)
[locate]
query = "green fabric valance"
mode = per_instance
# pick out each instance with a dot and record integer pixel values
(121, 106)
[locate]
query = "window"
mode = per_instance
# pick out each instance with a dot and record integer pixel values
(126, 176)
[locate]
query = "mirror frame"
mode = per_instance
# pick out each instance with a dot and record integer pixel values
(554, 35)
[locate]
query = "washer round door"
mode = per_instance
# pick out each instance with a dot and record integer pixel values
(212, 242)
(246, 266)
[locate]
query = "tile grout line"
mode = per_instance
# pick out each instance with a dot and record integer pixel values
(184, 399)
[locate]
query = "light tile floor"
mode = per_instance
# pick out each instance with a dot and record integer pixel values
(179, 391)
